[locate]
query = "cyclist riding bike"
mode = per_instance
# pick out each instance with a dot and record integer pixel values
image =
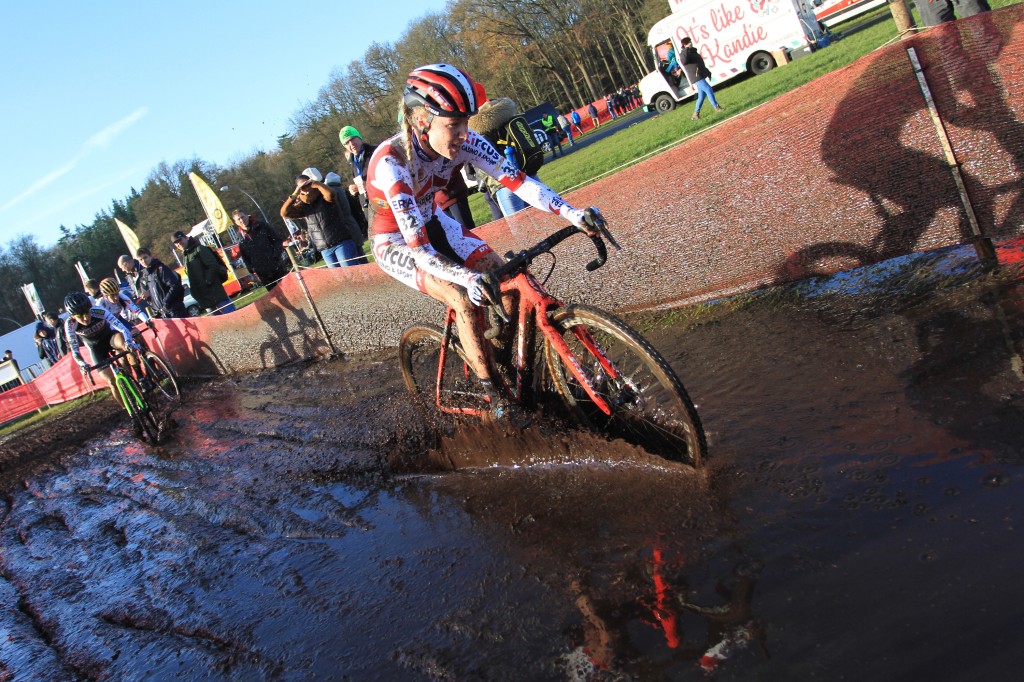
(118, 303)
(417, 243)
(101, 331)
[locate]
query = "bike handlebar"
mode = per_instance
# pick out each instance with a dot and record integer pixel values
(110, 360)
(518, 262)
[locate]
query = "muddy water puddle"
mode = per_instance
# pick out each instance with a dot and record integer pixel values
(858, 517)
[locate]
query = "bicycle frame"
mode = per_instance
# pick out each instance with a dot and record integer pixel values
(535, 306)
(127, 390)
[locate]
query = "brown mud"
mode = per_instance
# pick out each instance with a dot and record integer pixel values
(857, 518)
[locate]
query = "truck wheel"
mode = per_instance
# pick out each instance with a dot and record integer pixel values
(543, 140)
(664, 103)
(761, 62)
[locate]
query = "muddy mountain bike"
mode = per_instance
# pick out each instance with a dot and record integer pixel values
(146, 399)
(608, 376)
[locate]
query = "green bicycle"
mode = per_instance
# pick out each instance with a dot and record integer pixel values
(147, 399)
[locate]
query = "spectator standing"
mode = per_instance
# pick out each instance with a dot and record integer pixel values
(574, 116)
(609, 104)
(554, 136)
(318, 204)
(563, 123)
(136, 277)
(261, 248)
(697, 73)
(165, 288)
(594, 118)
(53, 320)
(206, 273)
(333, 180)
(359, 153)
(9, 357)
(92, 288)
(46, 342)
(935, 12)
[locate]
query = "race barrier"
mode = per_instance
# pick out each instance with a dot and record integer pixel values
(850, 169)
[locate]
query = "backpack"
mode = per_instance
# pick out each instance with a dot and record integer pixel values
(529, 153)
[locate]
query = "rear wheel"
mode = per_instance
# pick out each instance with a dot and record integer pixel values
(761, 62)
(649, 406)
(419, 354)
(146, 427)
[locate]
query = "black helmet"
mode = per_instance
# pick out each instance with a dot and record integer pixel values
(77, 303)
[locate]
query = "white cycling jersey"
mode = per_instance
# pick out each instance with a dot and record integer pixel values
(401, 242)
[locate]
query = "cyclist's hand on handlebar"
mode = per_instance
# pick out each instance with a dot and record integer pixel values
(477, 291)
(578, 217)
(598, 226)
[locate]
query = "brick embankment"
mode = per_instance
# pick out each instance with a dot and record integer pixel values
(846, 170)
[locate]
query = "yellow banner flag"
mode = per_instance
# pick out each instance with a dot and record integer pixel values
(211, 204)
(129, 236)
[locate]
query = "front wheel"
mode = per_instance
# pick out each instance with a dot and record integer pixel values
(145, 425)
(664, 103)
(649, 406)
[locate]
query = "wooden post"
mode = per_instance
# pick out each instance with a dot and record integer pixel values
(901, 15)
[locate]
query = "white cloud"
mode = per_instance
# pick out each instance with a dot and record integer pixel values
(100, 140)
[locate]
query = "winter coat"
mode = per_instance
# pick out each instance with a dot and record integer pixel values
(205, 271)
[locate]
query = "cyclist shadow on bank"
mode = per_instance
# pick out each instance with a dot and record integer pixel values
(286, 322)
(910, 187)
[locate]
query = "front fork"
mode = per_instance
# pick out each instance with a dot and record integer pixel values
(562, 348)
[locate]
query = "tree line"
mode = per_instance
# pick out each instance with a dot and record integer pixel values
(567, 52)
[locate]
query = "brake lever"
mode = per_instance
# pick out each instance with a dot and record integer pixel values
(494, 293)
(608, 235)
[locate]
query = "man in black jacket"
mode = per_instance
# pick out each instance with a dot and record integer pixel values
(165, 289)
(261, 248)
(205, 271)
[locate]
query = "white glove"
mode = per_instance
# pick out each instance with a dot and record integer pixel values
(575, 216)
(476, 291)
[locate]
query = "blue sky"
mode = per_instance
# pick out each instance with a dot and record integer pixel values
(97, 94)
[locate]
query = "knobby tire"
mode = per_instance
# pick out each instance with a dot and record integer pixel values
(146, 426)
(166, 389)
(650, 407)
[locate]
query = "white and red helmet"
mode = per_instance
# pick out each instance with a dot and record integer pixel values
(444, 90)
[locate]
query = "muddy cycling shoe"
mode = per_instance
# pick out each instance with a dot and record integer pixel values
(507, 413)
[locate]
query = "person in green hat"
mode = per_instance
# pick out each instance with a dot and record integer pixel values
(359, 153)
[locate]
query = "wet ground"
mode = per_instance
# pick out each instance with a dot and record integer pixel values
(858, 518)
